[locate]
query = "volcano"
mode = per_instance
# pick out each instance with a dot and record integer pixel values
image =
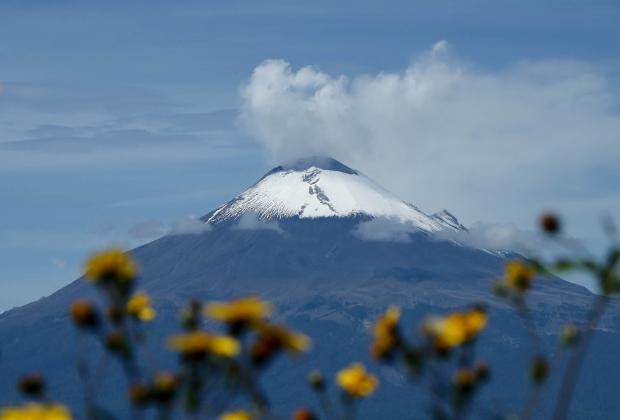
(332, 250)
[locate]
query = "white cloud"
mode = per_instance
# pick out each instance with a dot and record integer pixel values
(189, 226)
(384, 229)
(439, 106)
(147, 230)
(251, 221)
(503, 236)
(494, 237)
(59, 263)
(488, 144)
(509, 237)
(152, 229)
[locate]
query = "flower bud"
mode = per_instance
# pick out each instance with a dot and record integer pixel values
(569, 335)
(550, 223)
(262, 350)
(165, 385)
(32, 385)
(464, 381)
(304, 414)
(539, 370)
(115, 342)
(316, 380)
(84, 314)
(481, 371)
(139, 394)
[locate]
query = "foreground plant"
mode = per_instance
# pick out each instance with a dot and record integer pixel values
(518, 280)
(214, 368)
(606, 273)
(39, 405)
(355, 383)
(441, 357)
(220, 370)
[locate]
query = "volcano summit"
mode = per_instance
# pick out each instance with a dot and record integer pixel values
(320, 187)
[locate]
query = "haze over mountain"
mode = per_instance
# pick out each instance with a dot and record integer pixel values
(332, 250)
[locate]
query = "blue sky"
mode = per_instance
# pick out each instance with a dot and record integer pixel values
(120, 116)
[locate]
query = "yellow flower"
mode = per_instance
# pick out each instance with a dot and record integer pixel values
(356, 381)
(239, 311)
(200, 343)
(165, 385)
(475, 321)
(518, 275)
(113, 264)
(272, 338)
(281, 337)
(236, 415)
(456, 328)
(35, 411)
(139, 306)
(165, 382)
(385, 332)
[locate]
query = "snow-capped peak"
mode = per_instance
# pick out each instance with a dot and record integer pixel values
(324, 187)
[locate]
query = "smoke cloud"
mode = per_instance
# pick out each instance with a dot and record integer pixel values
(448, 134)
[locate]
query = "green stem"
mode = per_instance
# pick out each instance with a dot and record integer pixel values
(572, 371)
(531, 402)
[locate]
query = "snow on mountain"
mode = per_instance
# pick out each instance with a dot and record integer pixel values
(446, 218)
(323, 187)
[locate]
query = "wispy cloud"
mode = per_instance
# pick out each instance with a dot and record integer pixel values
(59, 263)
(251, 221)
(189, 226)
(509, 237)
(147, 230)
(384, 230)
(499, 237)
(493, 237)
(153, 229)
(47, 127)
